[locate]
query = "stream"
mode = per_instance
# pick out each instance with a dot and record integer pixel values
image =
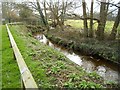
(107, 70)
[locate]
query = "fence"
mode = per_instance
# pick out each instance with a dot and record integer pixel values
(27, 80)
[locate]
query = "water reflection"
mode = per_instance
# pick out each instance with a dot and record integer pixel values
(75, 58)
(88, 66)
(101, 70)
(107, 71)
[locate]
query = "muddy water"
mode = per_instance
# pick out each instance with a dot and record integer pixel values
(107, 70)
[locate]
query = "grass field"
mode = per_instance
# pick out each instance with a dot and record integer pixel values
(78, 24)
(10, 71)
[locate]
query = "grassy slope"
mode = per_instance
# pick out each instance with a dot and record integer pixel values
(49, 67)
(10, 71)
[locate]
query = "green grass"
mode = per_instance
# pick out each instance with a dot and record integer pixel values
(49, 67)
(34, 65)
(10, 71)
(78, 24)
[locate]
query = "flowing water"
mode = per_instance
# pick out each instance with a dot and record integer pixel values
(107, 70)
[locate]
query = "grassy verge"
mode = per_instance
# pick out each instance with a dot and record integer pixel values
(49, 67)
(10, 71)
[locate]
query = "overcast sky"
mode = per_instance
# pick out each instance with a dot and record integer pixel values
(96, 6)
(88, 1)
(78, 10)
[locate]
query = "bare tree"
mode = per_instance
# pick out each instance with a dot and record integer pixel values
(63, 11)
(41, 13)
(45, 9)
(103, 17)
(58, 10)
(91, 20)
(115, 26)
(42, 16)
(85, 19)
(7, 10)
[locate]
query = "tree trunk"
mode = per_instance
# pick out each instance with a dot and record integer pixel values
(63, 12)
(91, 20)
(115, 26)
(85, 19)
(56, 13)
(102, 23)
(9, 20)
(42, 16)
(59, 23)
(45, 10)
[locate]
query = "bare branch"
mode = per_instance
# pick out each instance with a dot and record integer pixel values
(116, 5)
(111, 11)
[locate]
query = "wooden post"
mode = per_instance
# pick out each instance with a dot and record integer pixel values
(22, 84)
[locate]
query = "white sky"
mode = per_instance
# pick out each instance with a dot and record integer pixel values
(88, 1)
(96, 6)
(77, 11)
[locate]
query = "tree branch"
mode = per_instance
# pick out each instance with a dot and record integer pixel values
(116, 5)
(111, 11)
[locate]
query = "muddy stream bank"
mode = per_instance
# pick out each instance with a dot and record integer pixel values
(109, 71)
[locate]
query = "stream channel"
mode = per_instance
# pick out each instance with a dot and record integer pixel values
(107, 70)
